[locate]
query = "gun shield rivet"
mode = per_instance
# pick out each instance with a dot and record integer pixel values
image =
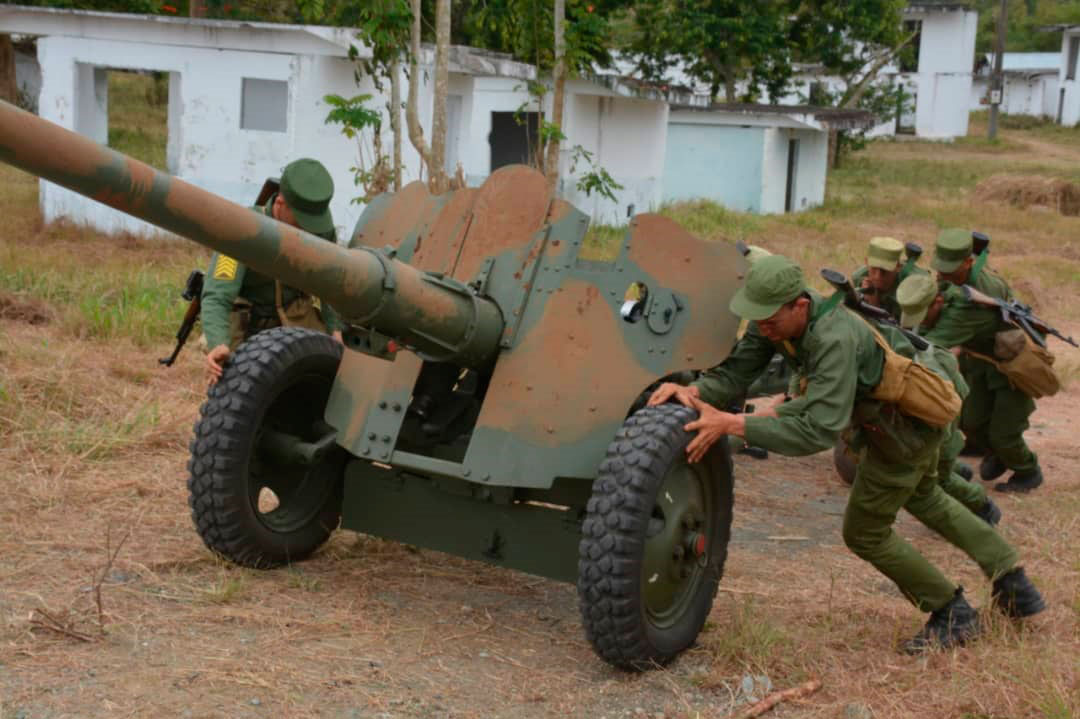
(397, 407)
(386, 438)
(365, 451)
(467, 472)
(382, 405)
(385, 455)
(371, 436)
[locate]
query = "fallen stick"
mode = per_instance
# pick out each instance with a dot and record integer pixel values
(776, 697)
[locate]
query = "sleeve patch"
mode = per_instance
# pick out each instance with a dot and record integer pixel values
(225, 268)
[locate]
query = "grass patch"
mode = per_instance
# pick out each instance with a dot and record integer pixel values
(138, 115)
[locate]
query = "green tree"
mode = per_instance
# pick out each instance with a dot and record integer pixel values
(718, 42)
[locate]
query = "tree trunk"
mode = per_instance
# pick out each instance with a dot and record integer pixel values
(412, 117)
(558, 99)
(9, 90)
(395, 117)
(439, 180)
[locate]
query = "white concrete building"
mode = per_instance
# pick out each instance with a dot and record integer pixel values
(1067, 107)
(244, 99)
(941, 84)
(1030, 83)
(752, 158)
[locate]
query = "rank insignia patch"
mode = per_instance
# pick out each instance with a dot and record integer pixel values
(225, 268)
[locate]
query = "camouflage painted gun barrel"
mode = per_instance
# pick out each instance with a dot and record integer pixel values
(504, 423)
(417, 312)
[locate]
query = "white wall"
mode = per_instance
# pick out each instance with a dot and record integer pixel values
(489, 94)
(206, 145)
(627, 137)
(943, 81)
(1067, 102)
(810, 169)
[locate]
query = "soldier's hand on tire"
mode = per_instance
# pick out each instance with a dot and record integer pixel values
(682, 394)
(711, 426)
(215, 362)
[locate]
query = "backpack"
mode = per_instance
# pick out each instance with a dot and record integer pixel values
(914, 388)
(1028, 366)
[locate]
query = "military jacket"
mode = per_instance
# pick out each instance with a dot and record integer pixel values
(963, 323)
(888, 298)
(842, 362)
(990, 283)
(229, 280)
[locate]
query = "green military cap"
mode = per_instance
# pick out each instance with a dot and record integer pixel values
(952, 248)
(771, 282)
(307, 188)
(755, 253)
(884, 253)
(914, 295)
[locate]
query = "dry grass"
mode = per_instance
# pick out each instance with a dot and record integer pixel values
(94, 446)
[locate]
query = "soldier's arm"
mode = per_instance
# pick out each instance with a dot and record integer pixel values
(812, 422)
(961, 321)
(220, 290)
(730, 378)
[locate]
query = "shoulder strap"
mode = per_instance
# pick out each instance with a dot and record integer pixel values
(827, 306)
(977, 268)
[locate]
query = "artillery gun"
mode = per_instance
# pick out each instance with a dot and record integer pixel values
(489, 398)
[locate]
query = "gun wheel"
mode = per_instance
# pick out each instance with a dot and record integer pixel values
(254, 501)
(654, 540)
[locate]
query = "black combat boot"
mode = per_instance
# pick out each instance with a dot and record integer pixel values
(990, 513)
(964, 470)
(1021, 481)
(990, 468)
(1016, 596)
(953, 625)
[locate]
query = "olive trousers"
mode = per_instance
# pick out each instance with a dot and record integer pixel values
(885, 484)
(970, 494)
(995, 416)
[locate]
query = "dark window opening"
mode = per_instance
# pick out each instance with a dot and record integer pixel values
(909, 55)
(513, 138)
(792, 169)
(1074, 51)
(137, 110)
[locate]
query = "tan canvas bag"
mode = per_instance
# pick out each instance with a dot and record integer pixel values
(917, 390)
(1028, 367)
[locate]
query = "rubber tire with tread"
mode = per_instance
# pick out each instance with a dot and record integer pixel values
(611, 551)
(220, 478)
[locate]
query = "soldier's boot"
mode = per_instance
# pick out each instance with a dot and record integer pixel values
(1016, 596)
(953, 625)
(990, 468)
(990, 513)
(964, 470)
(1021, 481)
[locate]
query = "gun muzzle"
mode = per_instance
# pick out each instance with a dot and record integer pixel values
(913, 251)
(979, 243)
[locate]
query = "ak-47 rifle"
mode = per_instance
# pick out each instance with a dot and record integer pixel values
(871, 312)
(1018, 314)
(913, 250)
(193, 294)
(980, 248)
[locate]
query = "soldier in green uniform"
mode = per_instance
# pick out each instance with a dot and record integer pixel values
(843, 364)
(914, 296)
(995, 414)
(237, 302)
(878, 279)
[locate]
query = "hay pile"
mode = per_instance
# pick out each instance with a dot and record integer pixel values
(1031, 190)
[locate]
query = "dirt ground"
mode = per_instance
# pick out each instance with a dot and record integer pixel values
(374, 629)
